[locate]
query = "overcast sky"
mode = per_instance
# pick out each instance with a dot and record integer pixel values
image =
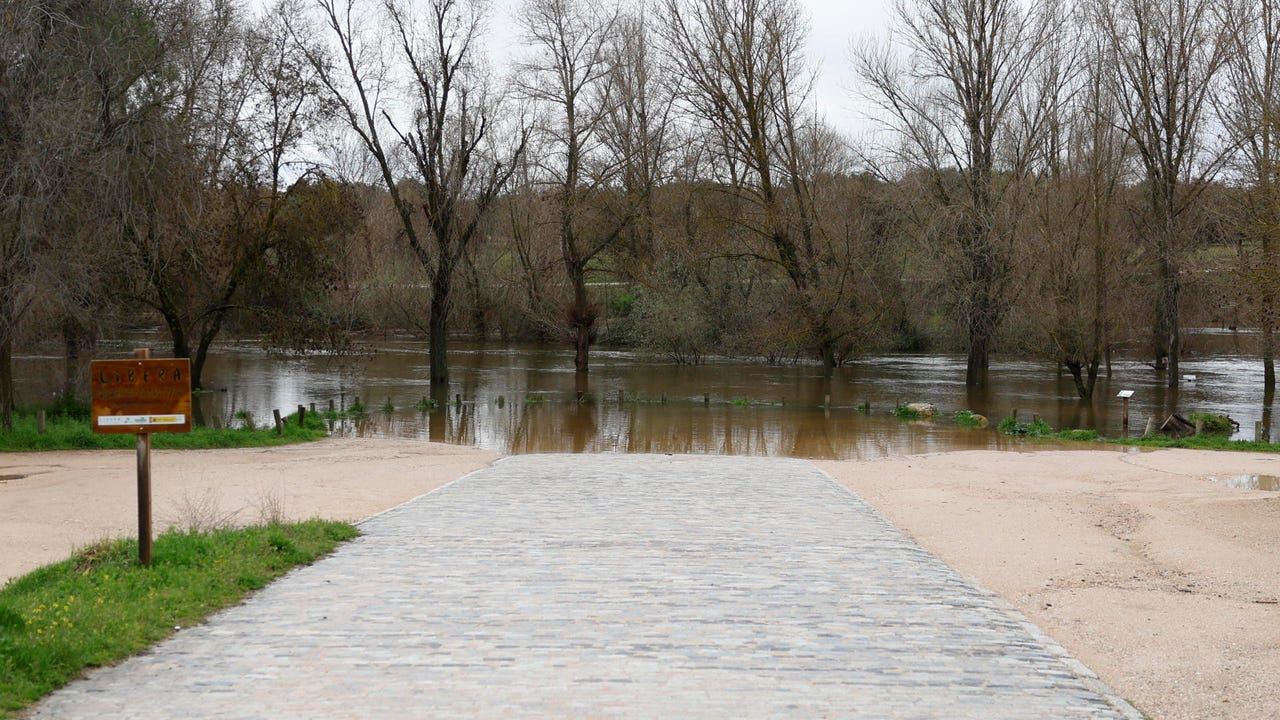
(833, 24)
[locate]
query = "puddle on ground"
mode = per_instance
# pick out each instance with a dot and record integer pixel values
(1252, 482)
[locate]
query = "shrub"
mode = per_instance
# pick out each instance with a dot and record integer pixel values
(1213, 424)
(1037, 428)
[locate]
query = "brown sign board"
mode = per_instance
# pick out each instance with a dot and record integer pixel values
(141, 396)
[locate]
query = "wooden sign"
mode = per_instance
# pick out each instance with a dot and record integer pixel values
(141, 396)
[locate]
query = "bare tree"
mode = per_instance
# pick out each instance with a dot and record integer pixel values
(746, 85)
(1249, 108)
(1165, 55)
(446, 131)
(570, 72)
(1078, 252)
(954, 110)
(61, 62)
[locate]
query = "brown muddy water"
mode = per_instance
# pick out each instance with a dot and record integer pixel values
(524, 398)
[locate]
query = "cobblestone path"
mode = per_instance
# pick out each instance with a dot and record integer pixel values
(568, 586)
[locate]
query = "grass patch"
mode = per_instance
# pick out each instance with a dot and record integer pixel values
(66, 432)
(904, 412)
(427, 405)
(1213, 424)
(100, 606)
(1200, 442)
(969, 419)
(1037, 428)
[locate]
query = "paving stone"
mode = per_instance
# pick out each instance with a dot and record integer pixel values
(612, 586)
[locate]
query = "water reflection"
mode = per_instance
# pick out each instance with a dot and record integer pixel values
(522, 399)
(1253, 482)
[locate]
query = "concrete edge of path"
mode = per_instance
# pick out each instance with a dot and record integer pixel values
(433, 490)
(1086, 675)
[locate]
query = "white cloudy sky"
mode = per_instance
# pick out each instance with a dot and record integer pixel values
(833, 24)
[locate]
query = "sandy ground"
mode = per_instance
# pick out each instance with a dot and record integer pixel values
(1162, 580)
(52, 503)
(1159, 578)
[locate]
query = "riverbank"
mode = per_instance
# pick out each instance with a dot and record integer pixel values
(1160, 579)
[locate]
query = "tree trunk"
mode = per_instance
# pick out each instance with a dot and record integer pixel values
(439, 328)
(6, 383)
(1077, 377)
(582, 318)
(71, 359)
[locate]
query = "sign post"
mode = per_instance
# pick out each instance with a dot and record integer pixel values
(142, 396)
(1125, 394)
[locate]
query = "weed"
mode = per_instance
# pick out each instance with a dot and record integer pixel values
(1036, 428)
(902, 412)
(426, 405)
(388, 407)
(1077, 435)
(271, 506)
(535, 399)
(740, 402)
(246, 419)
(969, 419)
(1213, 424)
(203, 512)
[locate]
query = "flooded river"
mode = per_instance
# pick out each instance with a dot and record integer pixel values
(524, 398)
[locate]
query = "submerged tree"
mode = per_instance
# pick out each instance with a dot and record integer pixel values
(747, 87)
(1165, 55)
(570, 73)
(440, 152)
(1250, 110)
(954, 109)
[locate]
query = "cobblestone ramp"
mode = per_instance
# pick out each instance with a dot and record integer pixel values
(612, 586)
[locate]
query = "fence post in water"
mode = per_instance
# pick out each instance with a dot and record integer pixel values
(330, 404)
(40, 422)
(302, 414)
(706, 399)
(457, 401)
(279, 423)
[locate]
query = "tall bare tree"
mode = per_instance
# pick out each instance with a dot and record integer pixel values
(745, 83)
(1249, 107)
(1166, 55)
(954, 110)
(438, 151)
(1075, 242)
(570, 72)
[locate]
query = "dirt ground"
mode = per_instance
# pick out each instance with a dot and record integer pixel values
(52, 503)
(1143, 565)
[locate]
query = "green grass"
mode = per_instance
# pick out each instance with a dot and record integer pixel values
(968, 419)
(101, 606)
(66, 432)
(1213, 424)
(1199, 442)
(1037, 428)
(902, 412)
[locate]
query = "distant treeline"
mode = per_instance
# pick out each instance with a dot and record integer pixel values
(1057, 178)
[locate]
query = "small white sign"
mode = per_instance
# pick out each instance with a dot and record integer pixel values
(117, 420)
(1126, 394)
